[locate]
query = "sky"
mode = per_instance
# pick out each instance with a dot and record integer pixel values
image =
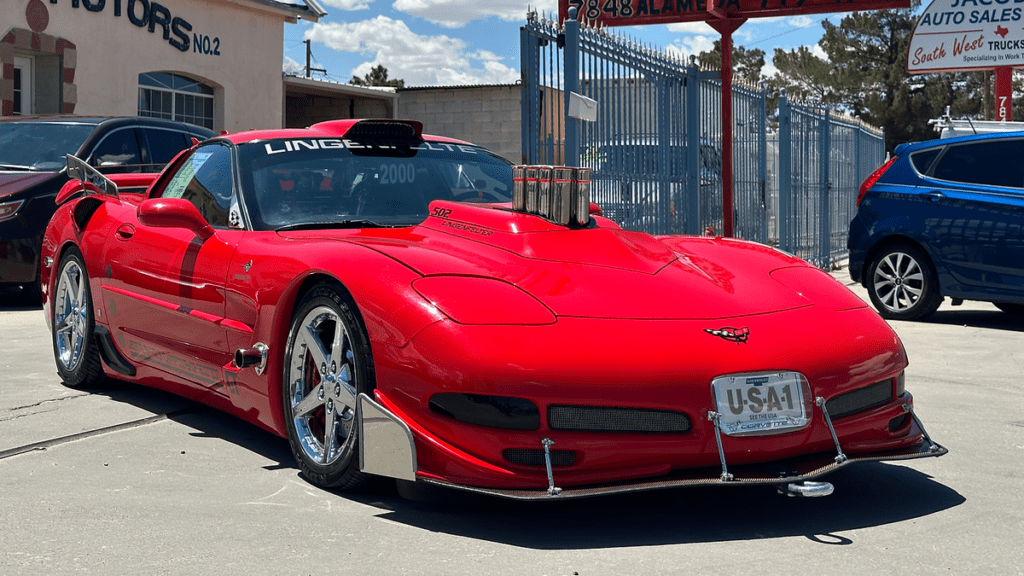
(465, 42)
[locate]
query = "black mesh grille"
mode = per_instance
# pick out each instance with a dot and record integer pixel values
(602, 419)
(535, 457)
(861, 399)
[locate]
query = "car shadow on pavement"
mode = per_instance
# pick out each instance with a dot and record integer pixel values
(206, 421)
(867, 494)
(993, 319)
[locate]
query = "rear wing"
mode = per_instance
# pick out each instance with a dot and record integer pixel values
(85, 178)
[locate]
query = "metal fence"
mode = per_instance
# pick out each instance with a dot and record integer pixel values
(654, 143)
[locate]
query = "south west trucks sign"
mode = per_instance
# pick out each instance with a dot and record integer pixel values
(636, 12)
(955, 35)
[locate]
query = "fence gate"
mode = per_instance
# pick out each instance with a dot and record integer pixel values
(655, 143)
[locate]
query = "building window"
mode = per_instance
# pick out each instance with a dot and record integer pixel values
(23, 86)
(163, 95)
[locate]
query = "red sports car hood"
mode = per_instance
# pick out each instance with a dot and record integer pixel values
(11, 182)
(605, 272)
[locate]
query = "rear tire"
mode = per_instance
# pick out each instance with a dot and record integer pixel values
(902, 284)
(327, 365)
(74, 348)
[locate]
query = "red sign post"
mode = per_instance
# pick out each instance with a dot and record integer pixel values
(725, 16)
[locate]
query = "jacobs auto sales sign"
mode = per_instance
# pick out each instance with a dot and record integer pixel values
(955, 35)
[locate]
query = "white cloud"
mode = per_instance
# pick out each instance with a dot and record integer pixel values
(817, 51)
(691, 28)
(457, 13)
(691, 45)
(800, 21)
(348, 4)
(417, 59)
(291, 66)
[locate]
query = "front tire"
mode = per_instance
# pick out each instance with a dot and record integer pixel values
(902, 284)
(78, 360)
(327, 365)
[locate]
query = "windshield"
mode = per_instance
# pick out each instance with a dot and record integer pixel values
(335, 181)
(40, 146)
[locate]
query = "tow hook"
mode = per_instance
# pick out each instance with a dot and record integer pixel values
(806, 489)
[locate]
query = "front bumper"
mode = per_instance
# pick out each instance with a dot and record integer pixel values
(388, 448)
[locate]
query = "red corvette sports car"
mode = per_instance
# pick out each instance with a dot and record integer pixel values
(411, 306)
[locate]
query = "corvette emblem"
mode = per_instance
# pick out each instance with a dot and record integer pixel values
(247, 265)
(737, 335)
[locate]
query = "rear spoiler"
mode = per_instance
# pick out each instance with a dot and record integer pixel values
(87, 179)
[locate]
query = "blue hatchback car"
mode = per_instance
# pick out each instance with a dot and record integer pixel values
(943, 218)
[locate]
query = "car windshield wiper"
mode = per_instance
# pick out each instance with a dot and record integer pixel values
(336, 224)
(15, 167)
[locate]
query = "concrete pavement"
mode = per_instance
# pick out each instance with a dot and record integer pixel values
(142, 482)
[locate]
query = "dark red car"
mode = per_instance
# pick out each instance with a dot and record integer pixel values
(411, 306)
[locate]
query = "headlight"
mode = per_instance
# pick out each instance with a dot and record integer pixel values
(818, 287)
(476, 300)
(9, 210)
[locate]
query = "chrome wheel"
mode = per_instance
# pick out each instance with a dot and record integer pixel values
(322, 387)
(327, 364)
(902, 284)
(76, 354)
(71, 315)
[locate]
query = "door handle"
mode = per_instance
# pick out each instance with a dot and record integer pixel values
(934, 196)
(124, 232)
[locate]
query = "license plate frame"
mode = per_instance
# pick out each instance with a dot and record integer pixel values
(762, 403)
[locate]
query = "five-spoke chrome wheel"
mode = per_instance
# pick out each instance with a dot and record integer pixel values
(70, 315)
(77, 358)
(327, 366)
(902, 284)
(322, 388)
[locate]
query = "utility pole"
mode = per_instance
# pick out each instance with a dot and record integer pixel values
(309, 56)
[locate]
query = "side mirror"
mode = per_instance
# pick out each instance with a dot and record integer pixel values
(174, 213)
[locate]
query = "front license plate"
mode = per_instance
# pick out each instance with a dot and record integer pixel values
(763, 403)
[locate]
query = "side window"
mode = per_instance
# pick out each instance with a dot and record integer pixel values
(922, 160)
(990, 163)
(118, 151)
(204, 179)
(163, 145)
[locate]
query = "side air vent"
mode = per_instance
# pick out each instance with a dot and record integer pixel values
(534, 457)
(860, 400)
(494, 411)
(608, 419)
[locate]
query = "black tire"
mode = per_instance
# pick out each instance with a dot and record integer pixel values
(902, 284)
(1011, 308)
(321, 419)
(74, 348)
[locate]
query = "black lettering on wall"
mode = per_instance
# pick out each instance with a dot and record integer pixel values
(177, 25)
(160, 16)
(94, 5)
(140, 21)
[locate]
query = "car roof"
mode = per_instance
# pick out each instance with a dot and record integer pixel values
(112, 121)
(915, 146)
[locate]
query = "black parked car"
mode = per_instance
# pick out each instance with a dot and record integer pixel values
(33, 169)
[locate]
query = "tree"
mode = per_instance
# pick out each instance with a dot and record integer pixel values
(746, 64)
(377, 76)
(865, 75)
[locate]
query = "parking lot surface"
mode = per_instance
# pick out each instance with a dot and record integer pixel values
(128, 480)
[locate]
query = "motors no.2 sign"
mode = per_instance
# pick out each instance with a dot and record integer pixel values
(153, 16)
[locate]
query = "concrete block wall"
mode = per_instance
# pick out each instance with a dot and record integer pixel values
(489, 116)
